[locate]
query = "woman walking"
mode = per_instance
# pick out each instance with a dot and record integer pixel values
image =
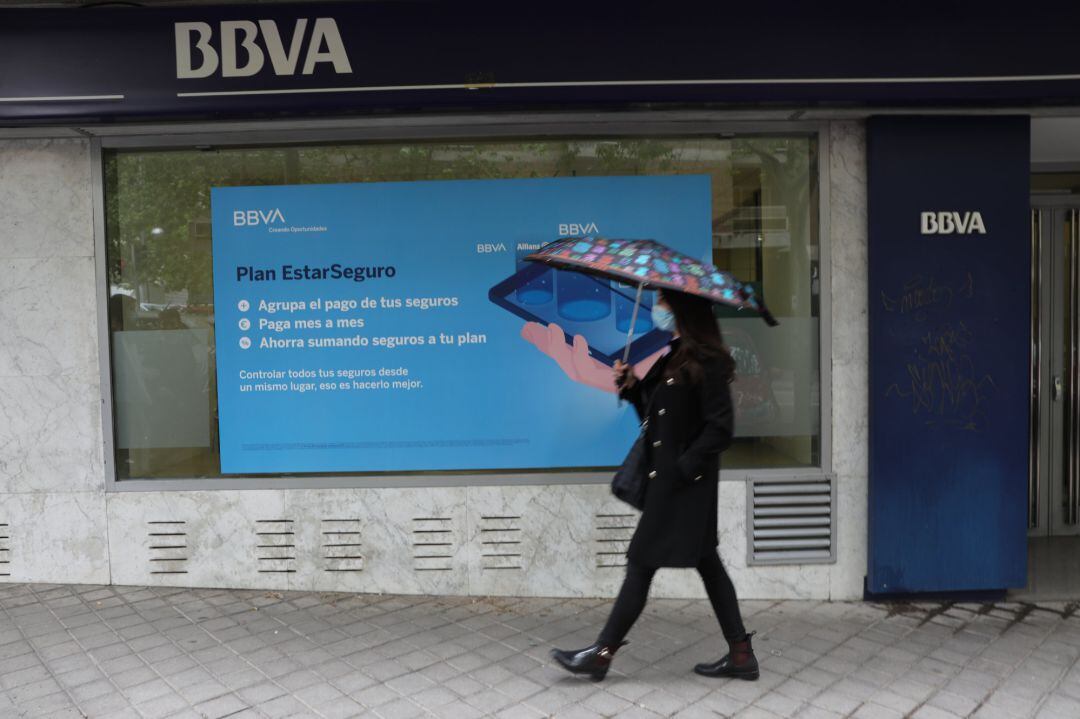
(685, 408)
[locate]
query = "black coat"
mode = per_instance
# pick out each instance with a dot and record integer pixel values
(688, 425)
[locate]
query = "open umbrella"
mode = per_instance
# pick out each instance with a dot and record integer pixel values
(647, 263)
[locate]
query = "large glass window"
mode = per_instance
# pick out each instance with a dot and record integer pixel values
(161, 303)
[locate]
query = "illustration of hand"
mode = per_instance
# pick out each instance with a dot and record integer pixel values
(576, 361)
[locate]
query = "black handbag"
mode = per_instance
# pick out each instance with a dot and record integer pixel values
(629, 481)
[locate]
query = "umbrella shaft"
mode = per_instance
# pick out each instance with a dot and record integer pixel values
(633, 321)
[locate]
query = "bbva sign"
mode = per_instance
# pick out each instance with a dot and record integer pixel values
(257, 217)
(243, 47)
(578, 229)
(952, 223)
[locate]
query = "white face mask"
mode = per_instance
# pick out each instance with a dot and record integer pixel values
(663, 318)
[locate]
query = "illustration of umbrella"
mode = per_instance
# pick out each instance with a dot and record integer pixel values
(649, 264)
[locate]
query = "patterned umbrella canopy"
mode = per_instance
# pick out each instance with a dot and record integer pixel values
(651, 264)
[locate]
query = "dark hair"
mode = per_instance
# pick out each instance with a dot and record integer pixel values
(700, 340)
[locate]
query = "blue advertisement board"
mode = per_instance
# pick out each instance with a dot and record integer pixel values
(949, 299)
(383, 327)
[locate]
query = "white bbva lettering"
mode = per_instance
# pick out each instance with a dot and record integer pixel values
(324, 46)
(574, 229)
(929, 223)
(946, 226)
(229, 55)
(209, 64)
(255, 217)
(948, 223)
(326, 31)
(284, 63)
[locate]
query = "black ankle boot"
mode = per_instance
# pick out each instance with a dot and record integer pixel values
(594, 660)
(739, 662)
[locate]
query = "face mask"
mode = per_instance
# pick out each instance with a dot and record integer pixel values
(663, 318)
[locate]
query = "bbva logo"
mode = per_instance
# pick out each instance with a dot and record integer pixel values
(257, 217)
(324, 45)
(949, 223)
(576, 229)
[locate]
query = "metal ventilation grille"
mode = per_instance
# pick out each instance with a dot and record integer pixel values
(342, 546)
(613, 533)
(433, 544)
(5, 550)
(790, 520)
(168, 546)
(275, 549)
(500, 542)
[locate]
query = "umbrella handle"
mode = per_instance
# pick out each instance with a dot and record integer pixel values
(630, 333)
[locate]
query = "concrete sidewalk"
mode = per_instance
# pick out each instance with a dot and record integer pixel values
(89, 651)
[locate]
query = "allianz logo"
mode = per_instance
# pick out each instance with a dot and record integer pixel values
(952, 223)
(242, 47)
(242, 218)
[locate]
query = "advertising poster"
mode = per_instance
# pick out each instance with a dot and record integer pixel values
(395, 327)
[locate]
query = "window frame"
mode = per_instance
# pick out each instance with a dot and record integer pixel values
(436, 128)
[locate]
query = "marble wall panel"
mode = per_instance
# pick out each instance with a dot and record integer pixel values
(45, 199)
(333, 524)
(220, 532)
(850, 414)
(563, 540)
(48, 317)
(55, 538)
(418, 540)
(413, 540)
(50, 434)
(558, 535)
(51, 468)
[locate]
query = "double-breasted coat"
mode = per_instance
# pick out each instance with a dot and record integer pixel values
(687, 424)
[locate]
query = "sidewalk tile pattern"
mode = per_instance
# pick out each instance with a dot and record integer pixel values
(155, 653)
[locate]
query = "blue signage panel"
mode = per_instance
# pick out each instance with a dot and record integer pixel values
(397, 327)
(271, 59)
(949, 292)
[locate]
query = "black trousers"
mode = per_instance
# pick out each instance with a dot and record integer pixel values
(635, 589)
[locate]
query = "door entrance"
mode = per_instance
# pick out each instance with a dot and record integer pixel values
(1054, 466)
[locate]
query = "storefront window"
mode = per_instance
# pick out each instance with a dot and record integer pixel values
(160, 269)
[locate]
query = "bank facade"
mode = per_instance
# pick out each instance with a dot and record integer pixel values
(908, 427)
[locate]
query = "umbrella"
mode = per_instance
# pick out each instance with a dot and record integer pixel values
(647, 263)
